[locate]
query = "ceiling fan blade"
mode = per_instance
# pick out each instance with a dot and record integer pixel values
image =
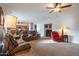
(51, 11)
(49, 7)
(59, 4)
(56, 5)
(65, 6)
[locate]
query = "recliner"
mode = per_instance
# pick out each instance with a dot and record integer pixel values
(13, 47)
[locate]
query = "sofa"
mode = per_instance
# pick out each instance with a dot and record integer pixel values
(12, 47)
(30, 35)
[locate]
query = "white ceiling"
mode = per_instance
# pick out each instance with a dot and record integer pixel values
(35, 12)
(25, 12)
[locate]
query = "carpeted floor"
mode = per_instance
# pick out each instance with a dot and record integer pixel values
(49, 48)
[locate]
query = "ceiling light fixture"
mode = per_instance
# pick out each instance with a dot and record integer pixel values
(58, 7)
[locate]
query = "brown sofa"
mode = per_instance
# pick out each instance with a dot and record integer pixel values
(33, 36)
(12, 46)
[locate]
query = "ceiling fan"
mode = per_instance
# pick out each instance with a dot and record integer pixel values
(58, 7)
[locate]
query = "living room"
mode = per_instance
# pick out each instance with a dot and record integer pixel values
(37, 17)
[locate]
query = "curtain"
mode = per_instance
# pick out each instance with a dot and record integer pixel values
(1, 24)
(1, 16)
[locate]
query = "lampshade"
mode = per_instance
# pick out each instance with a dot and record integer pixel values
(63, 29)
(10, 21)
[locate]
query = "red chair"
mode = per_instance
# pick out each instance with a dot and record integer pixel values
(55, 36)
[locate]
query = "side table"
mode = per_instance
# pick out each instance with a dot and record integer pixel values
(66, 38)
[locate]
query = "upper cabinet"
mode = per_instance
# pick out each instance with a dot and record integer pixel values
(23, 25)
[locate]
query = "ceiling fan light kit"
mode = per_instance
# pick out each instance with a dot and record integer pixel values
(57, 7)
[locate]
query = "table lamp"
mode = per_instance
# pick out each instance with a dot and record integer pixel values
(63, 30)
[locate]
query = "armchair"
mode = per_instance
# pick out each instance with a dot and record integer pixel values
(55, 36)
